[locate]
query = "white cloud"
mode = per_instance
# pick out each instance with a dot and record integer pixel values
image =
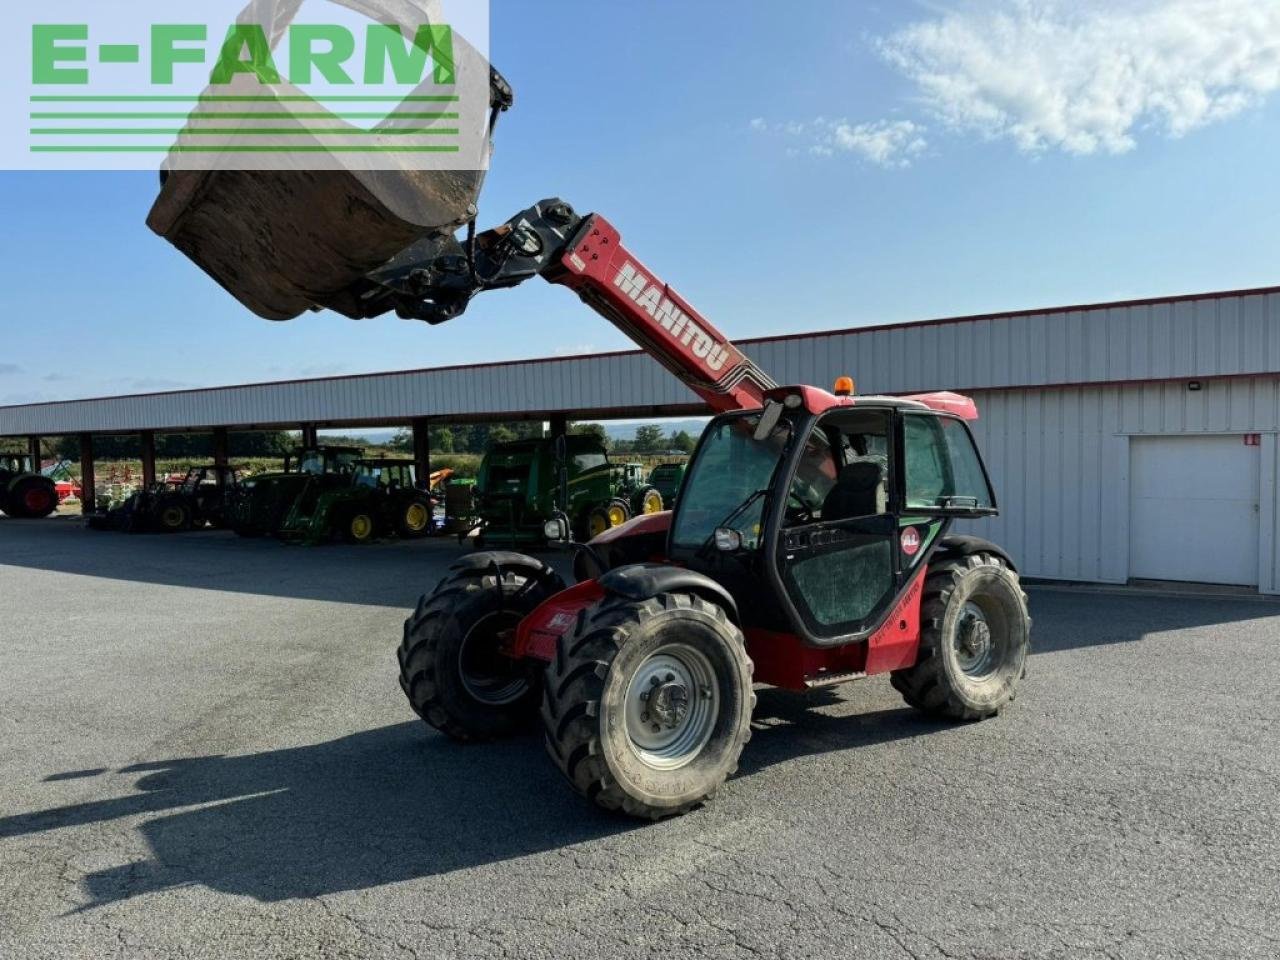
(889, 143)
(1089, 76)
(886, 143)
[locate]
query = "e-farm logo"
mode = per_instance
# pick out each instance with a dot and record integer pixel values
(372, 84)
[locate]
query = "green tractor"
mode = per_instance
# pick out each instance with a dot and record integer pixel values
(380, 498)
(668, 477)
(262, 504)
(197, 501)
(632, 494)
(25, 494)
(523, 483)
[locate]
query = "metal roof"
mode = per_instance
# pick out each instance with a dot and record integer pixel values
(1227, 334)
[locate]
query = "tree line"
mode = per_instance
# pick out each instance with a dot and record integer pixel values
(456, 438)
(478, 437)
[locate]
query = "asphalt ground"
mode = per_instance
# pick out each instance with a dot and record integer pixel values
(204, 753)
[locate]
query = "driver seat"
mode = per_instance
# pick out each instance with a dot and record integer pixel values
(859, 492)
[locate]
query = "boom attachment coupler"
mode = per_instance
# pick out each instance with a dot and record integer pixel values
(435, 280)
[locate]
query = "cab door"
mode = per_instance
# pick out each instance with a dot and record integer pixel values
(836, 554)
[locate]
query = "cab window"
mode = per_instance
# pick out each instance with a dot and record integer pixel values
(728, 480)
(814, 477)
(844, 470)
(943, 470)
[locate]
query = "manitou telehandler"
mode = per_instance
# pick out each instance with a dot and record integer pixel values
(811, 543)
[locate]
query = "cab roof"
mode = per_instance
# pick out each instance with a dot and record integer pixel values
(816, 400)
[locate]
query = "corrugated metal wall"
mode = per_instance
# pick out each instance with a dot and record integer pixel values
(1059, 458)
(1220, 335)
(1224, 335)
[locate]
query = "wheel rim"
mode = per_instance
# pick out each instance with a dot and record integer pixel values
(361, 527)
(486, 674)
(979, 643)
(37, 501)
(671, 706)
(617, 516)
(652, 502)
(172, 518)
(597, 524)
(415, 518)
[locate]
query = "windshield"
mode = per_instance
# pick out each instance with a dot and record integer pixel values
(588, 460)
(731, 466)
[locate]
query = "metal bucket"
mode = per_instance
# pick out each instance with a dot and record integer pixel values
(284, 241)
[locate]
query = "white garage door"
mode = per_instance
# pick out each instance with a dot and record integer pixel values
(1194, 510)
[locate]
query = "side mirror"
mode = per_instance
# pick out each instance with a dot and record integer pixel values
(768, 420)
(556, 530)
(728, 540)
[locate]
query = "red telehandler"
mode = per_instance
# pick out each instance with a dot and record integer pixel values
(811, 544)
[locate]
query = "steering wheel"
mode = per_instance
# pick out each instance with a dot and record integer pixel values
(801, 514)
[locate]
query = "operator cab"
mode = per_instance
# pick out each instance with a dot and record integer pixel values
(829, 507)
(16, 463)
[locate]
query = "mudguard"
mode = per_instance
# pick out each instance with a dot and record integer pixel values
(503, 558)
(641, 581)
(962, 545)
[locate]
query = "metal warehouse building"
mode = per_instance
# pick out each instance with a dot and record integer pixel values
(1132, 440)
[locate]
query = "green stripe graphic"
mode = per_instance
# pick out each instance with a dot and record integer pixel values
(261, 115)
(241, 99)
(242, 131)
(237, 148)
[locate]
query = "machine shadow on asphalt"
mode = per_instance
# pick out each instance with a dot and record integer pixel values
(387, 805)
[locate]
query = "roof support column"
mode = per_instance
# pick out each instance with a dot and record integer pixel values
(221, 443)
(88, 483)
(148, 441)
(33, 448)
(559, 425)
(422, 452)
(310, 435)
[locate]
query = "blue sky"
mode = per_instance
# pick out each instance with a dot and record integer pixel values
(835, 164)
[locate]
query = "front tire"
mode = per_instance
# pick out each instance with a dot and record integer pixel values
(172, 516)
(597, 522)
(618, 512)
(358, 527)
(975, 634)
(649, 501)
(451, 669)
(414, 521)
(647, 705)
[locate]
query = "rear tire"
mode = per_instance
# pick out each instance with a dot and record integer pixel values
(975, 634)
(450, 667)
(33, 498)
(668, 751)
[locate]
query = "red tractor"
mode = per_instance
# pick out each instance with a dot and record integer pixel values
(811, 544)
(24, 493)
